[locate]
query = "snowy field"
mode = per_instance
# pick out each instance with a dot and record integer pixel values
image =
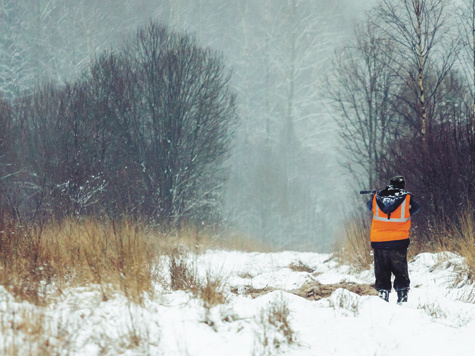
(439, 318)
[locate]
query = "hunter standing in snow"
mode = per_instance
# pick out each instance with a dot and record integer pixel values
(392, 209)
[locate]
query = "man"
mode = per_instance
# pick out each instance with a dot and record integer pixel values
(392, 209)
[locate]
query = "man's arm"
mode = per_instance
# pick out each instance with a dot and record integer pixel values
(414, 208)
(369, 204)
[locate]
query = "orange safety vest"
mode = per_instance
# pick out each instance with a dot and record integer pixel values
(396, 227)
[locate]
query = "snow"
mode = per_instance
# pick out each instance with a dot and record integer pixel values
(438, 319)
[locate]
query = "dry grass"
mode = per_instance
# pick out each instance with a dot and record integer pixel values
(274, 329)
(317, 291)
(314, 290)
(278, 315)
(39, 262)
(438, 239)
(26, 329)
(354, 247)
(433, 310)
(345, 303)
(458, 237)
(184, 276)
(115, 256)
(211, 290)
(463, 236)
(299, 266)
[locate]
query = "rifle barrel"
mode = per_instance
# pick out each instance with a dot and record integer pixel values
(367, 191)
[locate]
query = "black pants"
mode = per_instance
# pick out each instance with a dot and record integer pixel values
(387, 262)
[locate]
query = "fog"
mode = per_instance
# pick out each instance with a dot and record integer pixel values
(285, 184)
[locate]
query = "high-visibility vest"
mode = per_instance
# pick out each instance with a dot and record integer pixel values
(396, 226)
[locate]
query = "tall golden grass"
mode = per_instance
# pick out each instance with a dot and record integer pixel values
(461, 236)
(353, 247)
(457, 236)
(41, 260)
(38, 262)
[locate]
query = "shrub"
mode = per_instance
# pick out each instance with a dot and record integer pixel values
(144, 133)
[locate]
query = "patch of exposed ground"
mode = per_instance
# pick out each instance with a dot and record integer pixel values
(254, 292)
(299, 266)
(314, 290)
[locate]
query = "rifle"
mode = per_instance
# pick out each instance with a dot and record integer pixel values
(367, 191)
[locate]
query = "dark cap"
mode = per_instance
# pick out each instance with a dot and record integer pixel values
(398, 182)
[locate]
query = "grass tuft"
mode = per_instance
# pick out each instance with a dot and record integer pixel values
(434, 310)
(184, 276)
(274, 328)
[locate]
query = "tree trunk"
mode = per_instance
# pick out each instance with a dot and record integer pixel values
(417, 8)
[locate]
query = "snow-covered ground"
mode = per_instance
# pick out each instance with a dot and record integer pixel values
(438, 319)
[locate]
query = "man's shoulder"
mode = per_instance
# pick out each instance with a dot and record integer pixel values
(390, 191)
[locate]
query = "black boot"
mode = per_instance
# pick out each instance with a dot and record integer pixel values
(384, 295)
(402, 296)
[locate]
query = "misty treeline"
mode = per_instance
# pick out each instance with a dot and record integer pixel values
(284, 183)
(142, 133)
(403, 91)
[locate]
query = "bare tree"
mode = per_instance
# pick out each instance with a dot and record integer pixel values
(186, 119)
(360, 89)
(466, 15)
(422, 33)
(150, 124)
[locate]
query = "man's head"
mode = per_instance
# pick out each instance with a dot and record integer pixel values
(398, 182)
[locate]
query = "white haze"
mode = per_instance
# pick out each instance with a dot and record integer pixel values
(286, 185)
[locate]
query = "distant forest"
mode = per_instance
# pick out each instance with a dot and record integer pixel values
(262, 116)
